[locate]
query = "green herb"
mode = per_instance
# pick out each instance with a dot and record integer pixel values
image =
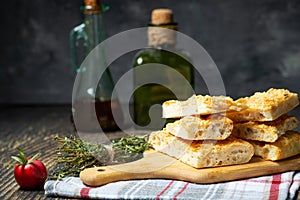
(74, 155)
(129, 148)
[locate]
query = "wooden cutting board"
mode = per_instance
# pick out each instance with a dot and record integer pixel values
(158, 165)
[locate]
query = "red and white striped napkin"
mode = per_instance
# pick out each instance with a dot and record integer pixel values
(275, 187)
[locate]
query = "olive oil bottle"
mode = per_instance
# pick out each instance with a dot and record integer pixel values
(162, 50)
(93, 95)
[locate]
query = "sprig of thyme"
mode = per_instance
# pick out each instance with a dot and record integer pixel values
(74, 155)
(129, 148)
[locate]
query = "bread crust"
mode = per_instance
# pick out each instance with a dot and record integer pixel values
(286, 146)
(212, 127)
(199, 105)
(265, 131)
(265, 106)
(204, 153)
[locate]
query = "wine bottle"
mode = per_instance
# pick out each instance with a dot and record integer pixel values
(162, 50)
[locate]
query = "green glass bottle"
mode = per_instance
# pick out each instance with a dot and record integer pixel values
(105, 102)
(161, 44)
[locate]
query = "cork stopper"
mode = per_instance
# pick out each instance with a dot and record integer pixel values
(92, 6)
(162, 16)
(92, 3)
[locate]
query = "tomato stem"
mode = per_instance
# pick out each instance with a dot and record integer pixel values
(33, 158)
(22, 158)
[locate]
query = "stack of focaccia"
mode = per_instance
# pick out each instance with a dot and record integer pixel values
(266, 125)
(201, 135)
(211, 131)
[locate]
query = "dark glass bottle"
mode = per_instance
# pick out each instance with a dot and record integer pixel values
(159, 52)
(105, 103)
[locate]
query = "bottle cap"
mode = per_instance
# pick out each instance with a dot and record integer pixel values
(162, 16)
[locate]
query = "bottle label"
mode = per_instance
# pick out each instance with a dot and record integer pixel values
(161, 35)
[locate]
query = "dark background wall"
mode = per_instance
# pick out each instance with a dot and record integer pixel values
(255, 44)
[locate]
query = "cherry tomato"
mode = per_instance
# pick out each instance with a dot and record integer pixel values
(29, 173)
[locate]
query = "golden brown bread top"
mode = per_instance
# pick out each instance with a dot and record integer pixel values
(202, 153)
(200, 105)
(286, 146)
(215, 127)
(261, 106)
(267, 100)
(286, 141)
(265, 106)
(265, 131)
(205, 101)
(196, 145)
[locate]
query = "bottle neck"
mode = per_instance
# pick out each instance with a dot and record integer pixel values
(162, 35)
(94, 27)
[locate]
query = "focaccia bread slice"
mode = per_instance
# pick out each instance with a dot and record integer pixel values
(199, 105)
(212, 127)
(265, 131)
(266, 106)
(286, 146)
(204, 153)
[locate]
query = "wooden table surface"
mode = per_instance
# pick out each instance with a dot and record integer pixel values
(32, 128)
